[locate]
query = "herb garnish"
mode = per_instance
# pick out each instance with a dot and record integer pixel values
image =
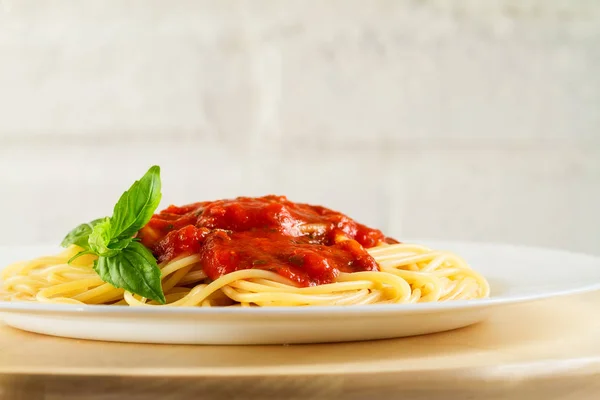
(122, 260)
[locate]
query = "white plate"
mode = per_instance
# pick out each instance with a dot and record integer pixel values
(516, 274)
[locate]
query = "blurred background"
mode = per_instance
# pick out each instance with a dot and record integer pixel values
(464, 120)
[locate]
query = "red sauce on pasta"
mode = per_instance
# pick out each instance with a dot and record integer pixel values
(310, 245)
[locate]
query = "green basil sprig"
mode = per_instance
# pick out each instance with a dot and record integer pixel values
(122, 260)
(80, 235)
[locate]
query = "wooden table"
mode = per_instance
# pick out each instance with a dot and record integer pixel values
(543, 350)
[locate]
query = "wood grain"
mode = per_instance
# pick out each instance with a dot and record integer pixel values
(543, 350)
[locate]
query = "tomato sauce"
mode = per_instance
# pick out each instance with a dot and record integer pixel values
(310, 245)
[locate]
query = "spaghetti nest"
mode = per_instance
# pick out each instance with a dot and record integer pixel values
(408, 274)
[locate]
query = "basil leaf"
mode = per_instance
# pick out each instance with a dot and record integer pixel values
(100, 239)
(119, 244)
(122, 260)
(133, 269)
(79, 236)
(136, 206)
(102, 244)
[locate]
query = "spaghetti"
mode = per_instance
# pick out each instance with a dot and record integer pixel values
(408, 274)
(263, 251)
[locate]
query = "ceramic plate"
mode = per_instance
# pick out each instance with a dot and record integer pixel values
(516, 274)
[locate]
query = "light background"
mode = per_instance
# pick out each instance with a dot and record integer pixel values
(475, 120)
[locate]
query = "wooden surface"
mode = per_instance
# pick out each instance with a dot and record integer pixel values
(542, 350)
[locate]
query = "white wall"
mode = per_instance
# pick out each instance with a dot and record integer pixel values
(444, 119)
